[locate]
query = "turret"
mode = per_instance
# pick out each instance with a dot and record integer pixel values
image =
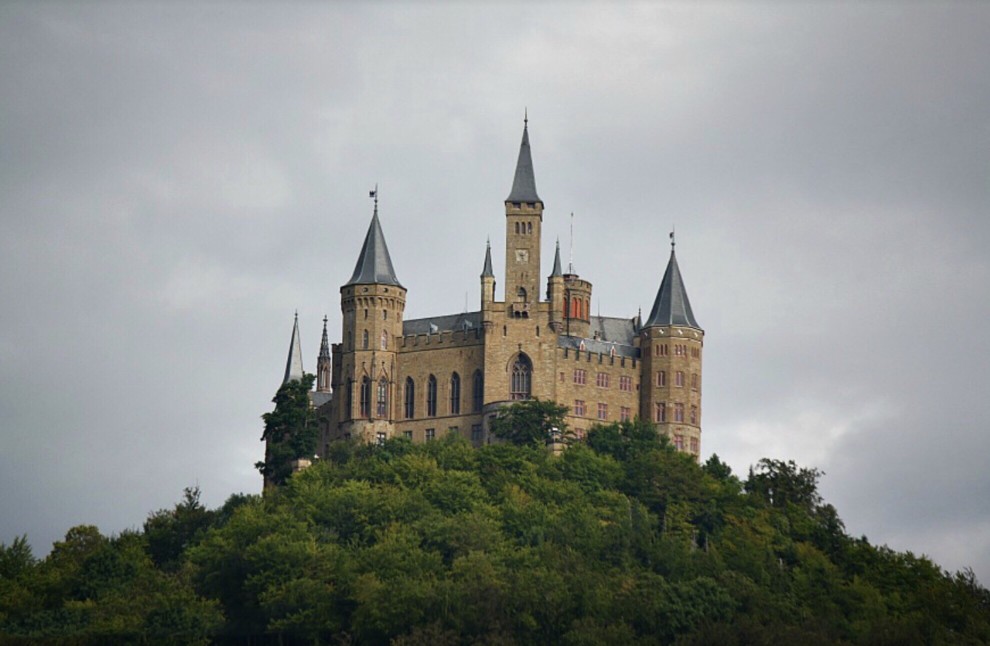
(555, 293)
(487, 279)
(372, 303)
(323, 363)
(671, 344)
(523, 222)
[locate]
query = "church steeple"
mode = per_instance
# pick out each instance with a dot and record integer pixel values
(524, 182)
(294, 366)
(323, 362)
(374, 265)
(672, 306)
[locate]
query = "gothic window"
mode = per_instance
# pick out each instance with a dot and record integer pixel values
(364, 340)
(522, 371)
(384, 340)
(679, 379)
(661, 378)
(521, 294)
(382, 407)
(324, 378)
(455, 394)
(365, 397)
(529, 227)
(431, 396)
(410, 398)
(478, 393)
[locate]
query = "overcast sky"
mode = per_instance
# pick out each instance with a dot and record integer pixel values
(175, 181)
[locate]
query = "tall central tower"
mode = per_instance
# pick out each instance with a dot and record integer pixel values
(523, 222)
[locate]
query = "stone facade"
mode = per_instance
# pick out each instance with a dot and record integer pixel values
(390, 377)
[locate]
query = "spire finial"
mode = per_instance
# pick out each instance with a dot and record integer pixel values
(672, 242)
(525, 117)
(570, 259)
(325, 319)
(374, 195)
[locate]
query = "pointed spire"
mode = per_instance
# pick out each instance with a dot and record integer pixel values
(672, 306)
(325, 343)
(294, 366)
(487, 272)
(524, 183)
(556, 262)
(374, 265)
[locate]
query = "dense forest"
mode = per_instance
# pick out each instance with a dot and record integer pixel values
(618, 539)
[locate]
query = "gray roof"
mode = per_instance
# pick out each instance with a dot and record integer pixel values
(617, 333)
(319, 398)
(294, 365)
(374, 265)
(446, 323)
(672, 306)
(524, 183)
(556, 262)
(487, 272)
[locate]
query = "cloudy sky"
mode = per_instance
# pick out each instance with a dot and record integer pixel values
(175, 181)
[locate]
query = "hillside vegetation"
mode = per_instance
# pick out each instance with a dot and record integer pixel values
(616, 540)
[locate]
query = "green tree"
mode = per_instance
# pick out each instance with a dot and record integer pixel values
(530, 422)
(170, 532)
(291, 430)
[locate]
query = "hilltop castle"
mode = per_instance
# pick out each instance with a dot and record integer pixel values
(422, 378)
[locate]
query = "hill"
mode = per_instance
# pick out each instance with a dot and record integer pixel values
(616, 540)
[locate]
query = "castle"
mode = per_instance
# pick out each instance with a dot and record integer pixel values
(422, 378)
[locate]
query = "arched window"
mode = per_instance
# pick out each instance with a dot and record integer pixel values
(431, 396)
(364, 340)
(381, 409)
(384, 340)
(365, 397)
(324, 378)
(478, 392)
(455, 394)
(529, 227)
(410, 398)
(522, 371)
(521, 294)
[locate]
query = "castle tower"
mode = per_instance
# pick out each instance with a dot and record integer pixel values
(372, 303)
(671, 343)
(555, 294)
(523, 221)
(323, 363)
(487, 281)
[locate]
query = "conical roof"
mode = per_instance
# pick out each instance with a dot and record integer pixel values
(487, 272)
(672, 306)
(524, 183)
(294, 365)
(556, 262)
(374, 265)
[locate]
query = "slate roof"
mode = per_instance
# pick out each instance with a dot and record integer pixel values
(294, 365)
(446, 323)
(487, 272)
(319, 398)
(556, 262)
(374, 265)
(617, 333)
(324, 343)
(524, 183)
(672, 306)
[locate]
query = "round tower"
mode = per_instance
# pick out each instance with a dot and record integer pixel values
(671, 343)
(372, 303)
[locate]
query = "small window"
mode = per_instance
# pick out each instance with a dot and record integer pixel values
(602, 411)
(678, 412)
(694, 381)
(431, 434)
(602, 380)
(695, 446)
(407, 435)
(694, 414)
(661, 412)
(661, 379)
(410, 398)
(382, 407)
(580, 375)
(384, 315)
(365, 397)
(380, 438)
(679, 442)
(624, 413)
(478, 392)
(679, 379)
(364, 340)
(455, 394)
(477, 435)
(384, 341)
(529, 227)
(579, 409)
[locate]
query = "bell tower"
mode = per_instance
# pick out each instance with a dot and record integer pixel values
(523, 223)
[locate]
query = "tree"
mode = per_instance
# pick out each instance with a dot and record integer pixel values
(170, 532)
(780, 483)
(530, 422)
(291, 430)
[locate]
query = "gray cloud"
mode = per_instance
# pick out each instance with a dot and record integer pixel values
(178, 180)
